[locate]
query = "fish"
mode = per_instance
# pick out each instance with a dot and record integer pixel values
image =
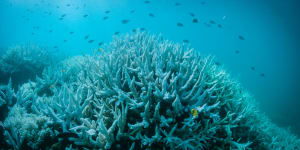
(116, 33)
(241, 37)
(203, 3)
(133, 30)
(179, 24)
(177, 4)
(217, 63)
(63, 15)
(237, 51)
(65, 40)
(185, 41)
(85, 15)
(86, 37)
(220, 26)
(252, 68)
(125, 21)
(50, 31)
(107, 12)
(194, 112)
(71, 32)
(195, 20)
(55, 46)
(68, 5)
(104, 18)
(192, 14)
(143, 29)
(262, 75)
(146, 2)
(100, 43)
(132, 11)
(61, 18)
(91, 41)
(151, 15)
(212, 22)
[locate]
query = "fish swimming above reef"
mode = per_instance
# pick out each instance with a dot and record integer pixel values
(195, 20)
(241, 37)
(91, 41)
(151, 15)
(107, 12)
(105, 18)
(125, 21)
(179, 24)
(85, 16)
(86, 37)
(185, 41)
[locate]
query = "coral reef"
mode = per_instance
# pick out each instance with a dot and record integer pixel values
(140, 92)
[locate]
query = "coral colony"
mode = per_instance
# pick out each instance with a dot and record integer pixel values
(138, 92)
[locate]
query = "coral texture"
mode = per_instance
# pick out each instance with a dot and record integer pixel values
(141, 92)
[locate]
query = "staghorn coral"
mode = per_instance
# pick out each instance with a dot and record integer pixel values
(139, 93)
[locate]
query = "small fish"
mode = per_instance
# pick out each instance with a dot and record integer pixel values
(68, 5)
(217, 63)
(143, 29)
(212, 22)
(151, 15)
(262, 75)
(237, 51)
(195, 20)
(194, 112)
(192, 14)
(185, 41)
(55, 47)
(86, 37)
(50, 31)
(85, 16)
(146, 2)
(107, 12)
(241, 37)
(179, 24)
(63, 15)
(220, 26)
(105, 18)
(132, 11)
(116, 33)
(71, 32)
(100, 43)
(65, 40)
(252, 68)
(125, 21)
(177, 4)
(91, 41)
(61, 18)
(133, 30)
(203, 3)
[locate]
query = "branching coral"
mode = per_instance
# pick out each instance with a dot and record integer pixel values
(144, 92)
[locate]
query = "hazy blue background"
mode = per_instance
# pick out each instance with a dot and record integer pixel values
(270, 28)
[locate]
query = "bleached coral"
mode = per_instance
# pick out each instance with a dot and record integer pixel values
(144, 92)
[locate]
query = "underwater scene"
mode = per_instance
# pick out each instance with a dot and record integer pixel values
(149, 74)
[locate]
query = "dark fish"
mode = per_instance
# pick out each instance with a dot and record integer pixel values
(65, 40)
(146, 2)
(32, 33)
(185, 41)
(104, 18)
(116, 33)
(237, 51)
(191, 14)
(107, 12)
(68, 5)
(71, 32)
(203, 3)
(100, 43)
(61, 18)
(262, 75)
(132, 11)
(241, 37)
(195, 20)
(55, 46)
(143, 29)
(217, 63)
(252, 68)
(151, 15)
(212, 22)
(50, 31)
(134, 30)
(86, 37)
(91, 41)
(220, 26)
(125, 21)
(85, 16)
(63, 15)
(57, 6)
(177, 4)
(179, 24)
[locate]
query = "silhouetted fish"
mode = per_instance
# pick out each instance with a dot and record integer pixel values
(68, 5)
(262, 75)
(86, 37)
(146, 2)
(237, 51)
(107, 12)
(133, 30)
(212, 22)
(177, 4)
(100, 43)
(191, 14)
(132, 11)
(179, 24)
(55, 46)
(185, 41)
(85, 16)
(125, 21)
(116, 33)
(63, 15)
(203, 3)
(151, 15)
(65, 40)
(195, 20)
(219, 26)
(91, 41)
(61, 18)
(143, 29)
(71, 32)
(252, 68)
(50, 31)
(241, 37)
(104, 18)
